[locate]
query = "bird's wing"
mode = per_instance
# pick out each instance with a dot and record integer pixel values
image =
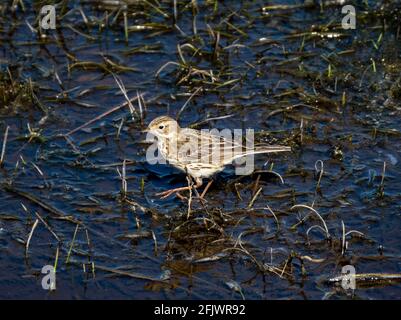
(204, 147)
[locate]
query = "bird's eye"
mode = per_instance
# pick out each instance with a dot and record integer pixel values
(161, 127)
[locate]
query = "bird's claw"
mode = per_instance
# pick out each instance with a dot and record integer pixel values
(167, 193)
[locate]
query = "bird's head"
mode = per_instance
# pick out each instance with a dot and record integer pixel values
(163, 127)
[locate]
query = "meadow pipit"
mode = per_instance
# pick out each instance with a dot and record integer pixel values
(200, 154)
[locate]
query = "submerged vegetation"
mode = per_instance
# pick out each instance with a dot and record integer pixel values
(77, 193)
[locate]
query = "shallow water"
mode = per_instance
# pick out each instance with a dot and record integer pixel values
(291, 73)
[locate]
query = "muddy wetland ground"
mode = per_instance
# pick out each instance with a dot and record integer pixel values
(76, 191)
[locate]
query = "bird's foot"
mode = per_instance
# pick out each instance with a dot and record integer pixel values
(167, 193)
(180, 196)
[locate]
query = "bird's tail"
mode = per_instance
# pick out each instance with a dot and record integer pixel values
(262, 149)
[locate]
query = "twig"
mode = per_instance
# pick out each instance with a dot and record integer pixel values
(164, 66)
(53, 283)
(47, 226)
(355, 231)
(320, 172)
(301, 128)
(317, 213)
(30, 236)
(211, 119)
(124, 92)
(289, 108)
(186, 103)
(313, 227)
(275, 217)
(381, 187)
(128, 274)
(3, 149)
(123, 180)
(155, 242)
(72, 243)
(175, 11)
(100, 116)
(366, 278)
(343, 243)
(56, 260)
(190, 196)
(285, 266)
(140, 106)
(254, 198)
(35, 200)
(278, 175)
(60, 214)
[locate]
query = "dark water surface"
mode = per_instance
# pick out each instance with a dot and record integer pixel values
(284, 68)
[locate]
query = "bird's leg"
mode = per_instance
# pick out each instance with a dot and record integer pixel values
(168, 193)
(206, 188)
(179, 195)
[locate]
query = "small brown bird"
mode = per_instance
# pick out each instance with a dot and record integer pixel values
(199, 154)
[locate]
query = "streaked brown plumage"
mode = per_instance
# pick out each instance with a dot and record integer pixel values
(200, 154)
